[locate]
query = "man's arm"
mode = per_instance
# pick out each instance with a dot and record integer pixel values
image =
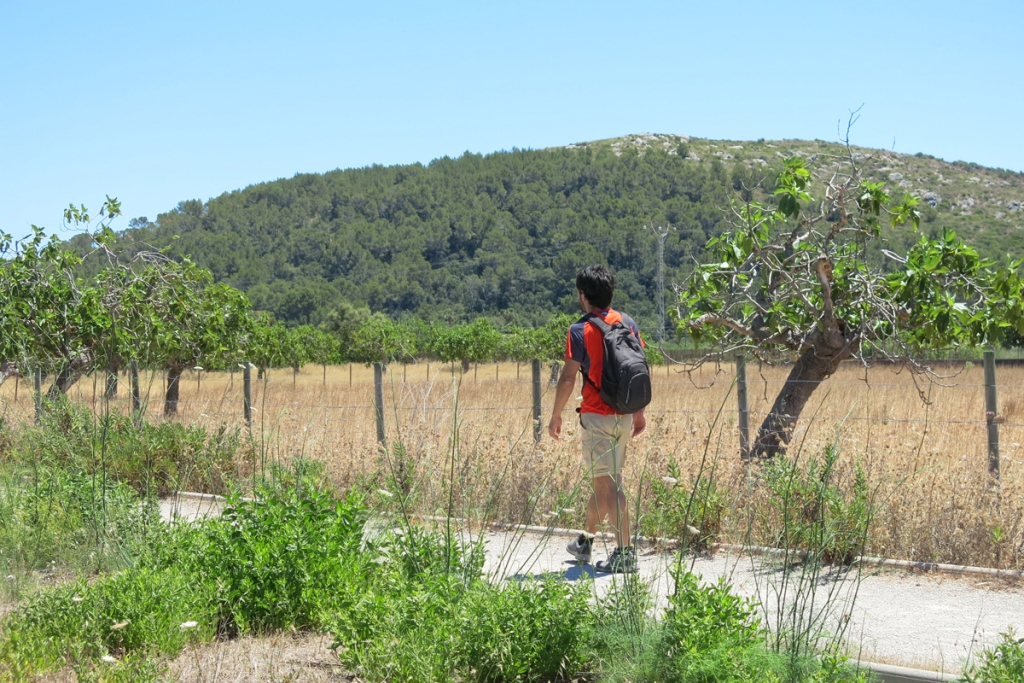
(563, 392)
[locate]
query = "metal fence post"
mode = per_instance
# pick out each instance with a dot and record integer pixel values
(992, 414)
(378, 399)
(744, 411)
(37, 383)
(247, 392)
(136, 394)
(536, 399)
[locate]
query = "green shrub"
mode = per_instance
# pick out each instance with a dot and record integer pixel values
(417, 553)
(52, 517)
(675, 507)
(278, 561)
(136, 611)
(707, 619)
(1002, 664)
(289, 561)
(528, 631)
(813, 512)
(427, 614)
(438, 628)
(153, 458)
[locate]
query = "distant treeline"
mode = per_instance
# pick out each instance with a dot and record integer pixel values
(500, 235)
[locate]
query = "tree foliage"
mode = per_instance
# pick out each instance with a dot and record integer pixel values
(139, 305)
(794, 279)
(460, 238)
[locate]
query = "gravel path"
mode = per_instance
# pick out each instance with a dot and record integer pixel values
(927, 621)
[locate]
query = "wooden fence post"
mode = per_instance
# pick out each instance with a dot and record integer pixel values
(744, 411)
(37, 383)
(536, 399)
(136, 394)
(992, 414)
(378, 399)
(247, 393)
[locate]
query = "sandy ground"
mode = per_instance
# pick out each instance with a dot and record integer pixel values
(928, 621)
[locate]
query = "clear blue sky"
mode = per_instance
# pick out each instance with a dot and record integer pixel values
(159, 102)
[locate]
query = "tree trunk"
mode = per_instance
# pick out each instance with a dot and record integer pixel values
(173, 385)
(465, 365)
(69, 374)
(812, 368)
(113, 368)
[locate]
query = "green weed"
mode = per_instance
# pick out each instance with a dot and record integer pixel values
(154, 459)
(1002, 664)
(675, 508)
(276, 561)
(138, 611)
(812, 510)
(414, 621)
(56, 519)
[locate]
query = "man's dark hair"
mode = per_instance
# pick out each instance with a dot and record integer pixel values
(597, 284)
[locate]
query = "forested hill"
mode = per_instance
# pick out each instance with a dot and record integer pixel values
(503, 234)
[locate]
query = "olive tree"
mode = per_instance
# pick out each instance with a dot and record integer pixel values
(468, 343)
(807, 276)
(378, 339)
(195, 321)
(49, 316)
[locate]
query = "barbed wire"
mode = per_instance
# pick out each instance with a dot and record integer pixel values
(201, 407)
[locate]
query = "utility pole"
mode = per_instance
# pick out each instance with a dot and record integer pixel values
(661, 232)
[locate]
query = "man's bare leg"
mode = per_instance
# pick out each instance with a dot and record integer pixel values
(608, 500)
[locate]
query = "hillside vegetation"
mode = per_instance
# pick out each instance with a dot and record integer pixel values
(503, 234)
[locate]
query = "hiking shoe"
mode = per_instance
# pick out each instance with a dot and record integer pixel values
(580, 547)
(621, 561)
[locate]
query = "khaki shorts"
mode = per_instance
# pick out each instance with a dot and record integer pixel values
(605, 438)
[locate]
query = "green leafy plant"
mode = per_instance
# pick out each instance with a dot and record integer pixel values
(706, 619)
(812, 510)
(136, 611)
(677, 509)
(1002, 664)
(427, 615)
(273, 558)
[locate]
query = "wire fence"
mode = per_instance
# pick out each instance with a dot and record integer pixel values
(960, 406)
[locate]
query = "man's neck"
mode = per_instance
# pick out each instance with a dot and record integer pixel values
(597, 311)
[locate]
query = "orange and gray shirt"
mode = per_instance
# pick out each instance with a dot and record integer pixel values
(585, 345)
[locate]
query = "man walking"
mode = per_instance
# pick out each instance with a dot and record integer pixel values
(606, 432)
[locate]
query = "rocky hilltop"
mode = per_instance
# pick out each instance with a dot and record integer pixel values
(985, 204)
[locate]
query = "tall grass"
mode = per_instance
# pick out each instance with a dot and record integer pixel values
(929, 460)
(404, 601)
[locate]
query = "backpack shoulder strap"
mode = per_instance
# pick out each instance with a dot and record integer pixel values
(598, 322)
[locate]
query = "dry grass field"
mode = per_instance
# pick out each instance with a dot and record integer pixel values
(465, 443)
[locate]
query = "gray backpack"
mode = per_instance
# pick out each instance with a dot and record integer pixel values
(625, 375)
